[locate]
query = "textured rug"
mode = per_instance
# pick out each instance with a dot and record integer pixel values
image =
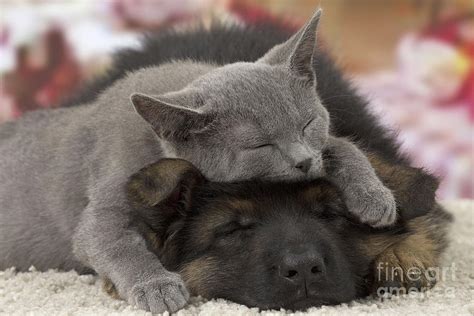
(66, 293)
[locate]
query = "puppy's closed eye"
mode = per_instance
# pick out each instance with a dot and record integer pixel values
(232, 228)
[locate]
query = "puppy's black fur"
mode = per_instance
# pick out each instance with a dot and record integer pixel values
(273, 245)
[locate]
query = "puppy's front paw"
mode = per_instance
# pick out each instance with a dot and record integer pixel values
(160, 294)
(374, 205)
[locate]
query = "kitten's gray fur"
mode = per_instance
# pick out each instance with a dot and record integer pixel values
(62, 172)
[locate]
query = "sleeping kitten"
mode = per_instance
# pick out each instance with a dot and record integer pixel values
(62, 198)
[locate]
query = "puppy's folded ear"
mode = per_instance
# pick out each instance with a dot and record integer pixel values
(161, 192)
(414, 188)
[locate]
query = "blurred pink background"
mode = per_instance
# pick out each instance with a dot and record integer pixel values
(413, 58)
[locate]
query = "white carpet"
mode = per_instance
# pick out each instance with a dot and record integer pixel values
(56, 293)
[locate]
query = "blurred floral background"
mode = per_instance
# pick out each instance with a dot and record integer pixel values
(413, 58)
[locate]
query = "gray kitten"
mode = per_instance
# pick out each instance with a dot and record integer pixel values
(62, 172)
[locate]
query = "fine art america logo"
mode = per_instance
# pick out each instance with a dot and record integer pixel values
(414, 280)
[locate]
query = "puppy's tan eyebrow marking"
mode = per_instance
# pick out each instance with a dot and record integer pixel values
(318, 193)
(241, 204)
(312, 193)
(225, 211)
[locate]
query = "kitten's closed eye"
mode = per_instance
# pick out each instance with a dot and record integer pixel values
(252, 141)
(262, 146)
(307, 125)
(257, 145)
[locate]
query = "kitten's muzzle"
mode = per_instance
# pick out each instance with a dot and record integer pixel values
(304, 165)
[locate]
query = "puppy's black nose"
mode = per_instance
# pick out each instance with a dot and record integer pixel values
(307, 266)
(304, 165)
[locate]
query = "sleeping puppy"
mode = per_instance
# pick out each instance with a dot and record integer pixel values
(274, 245)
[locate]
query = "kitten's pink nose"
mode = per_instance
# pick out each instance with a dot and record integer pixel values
(304, 165)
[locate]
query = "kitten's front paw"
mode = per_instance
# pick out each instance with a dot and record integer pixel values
(166, 292)
(374, 206)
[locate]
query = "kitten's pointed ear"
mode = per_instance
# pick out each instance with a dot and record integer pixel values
(298, 51)
(169, 115)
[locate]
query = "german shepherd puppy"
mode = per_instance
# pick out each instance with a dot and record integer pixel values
(281, 245)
